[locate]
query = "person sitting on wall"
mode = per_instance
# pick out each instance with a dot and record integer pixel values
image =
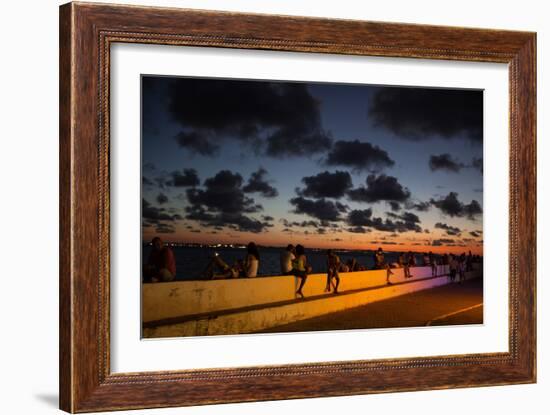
(333, 264)
(287, 256)
(252, 261)
(218, 269)
(161, 264)
(380, 263)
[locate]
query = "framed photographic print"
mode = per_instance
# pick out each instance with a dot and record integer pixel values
(257, 207)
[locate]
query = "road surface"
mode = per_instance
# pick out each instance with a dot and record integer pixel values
(446, 305)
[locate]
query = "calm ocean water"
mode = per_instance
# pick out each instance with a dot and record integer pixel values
(192, 261)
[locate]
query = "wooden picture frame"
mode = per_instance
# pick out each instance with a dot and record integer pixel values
(86, 33)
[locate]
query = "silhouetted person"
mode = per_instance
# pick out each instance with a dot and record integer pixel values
(425, 259)
(381, 264)
(453, 267)
(433, 263)
(161, 264)
(403, 261)
(300, 268)
(217, 268)
(333, 264)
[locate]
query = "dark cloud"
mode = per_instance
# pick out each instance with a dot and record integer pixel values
(418, 206)
(165, 228)
(477, 163)
(420, 113)
(358, 229)
(223, 203)
(302, 224)
(395, 206)
(146, 181)
(380, 188)
(223, 193)
(473, 209)
(326, 184)
(445, 162)
(451, 206)
(443, 241)
(475, 234)
(268, 218)
(258, 184)
(149, 167)
(153, 215)
(406, 221)
(162, 198)
(188, 178)
(282, 119)
(321, 209)
(450, 230)
(233, 220)
(197, 142)
(358, 156)
(160, 181)
(362, 219)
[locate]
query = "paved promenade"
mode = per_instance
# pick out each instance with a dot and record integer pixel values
(445, 305)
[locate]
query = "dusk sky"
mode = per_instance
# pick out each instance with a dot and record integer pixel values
(326, 165)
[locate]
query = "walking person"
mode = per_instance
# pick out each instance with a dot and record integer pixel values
(382, 264)
(333, 264)
(300, 268)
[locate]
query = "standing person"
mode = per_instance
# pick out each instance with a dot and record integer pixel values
(469, 261)
(412, 259)
(252, 261)
(425, 260)
(333, 264)
(462, 269)
(300, 268)
(432, 260)
(161, 264)
(287, 256)
(453, 267)
(403, 263)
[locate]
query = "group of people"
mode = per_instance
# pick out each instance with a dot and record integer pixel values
(458, 265)
(248, 267)
(161, 265)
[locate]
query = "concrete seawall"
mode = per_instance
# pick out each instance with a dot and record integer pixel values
(194, 308)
